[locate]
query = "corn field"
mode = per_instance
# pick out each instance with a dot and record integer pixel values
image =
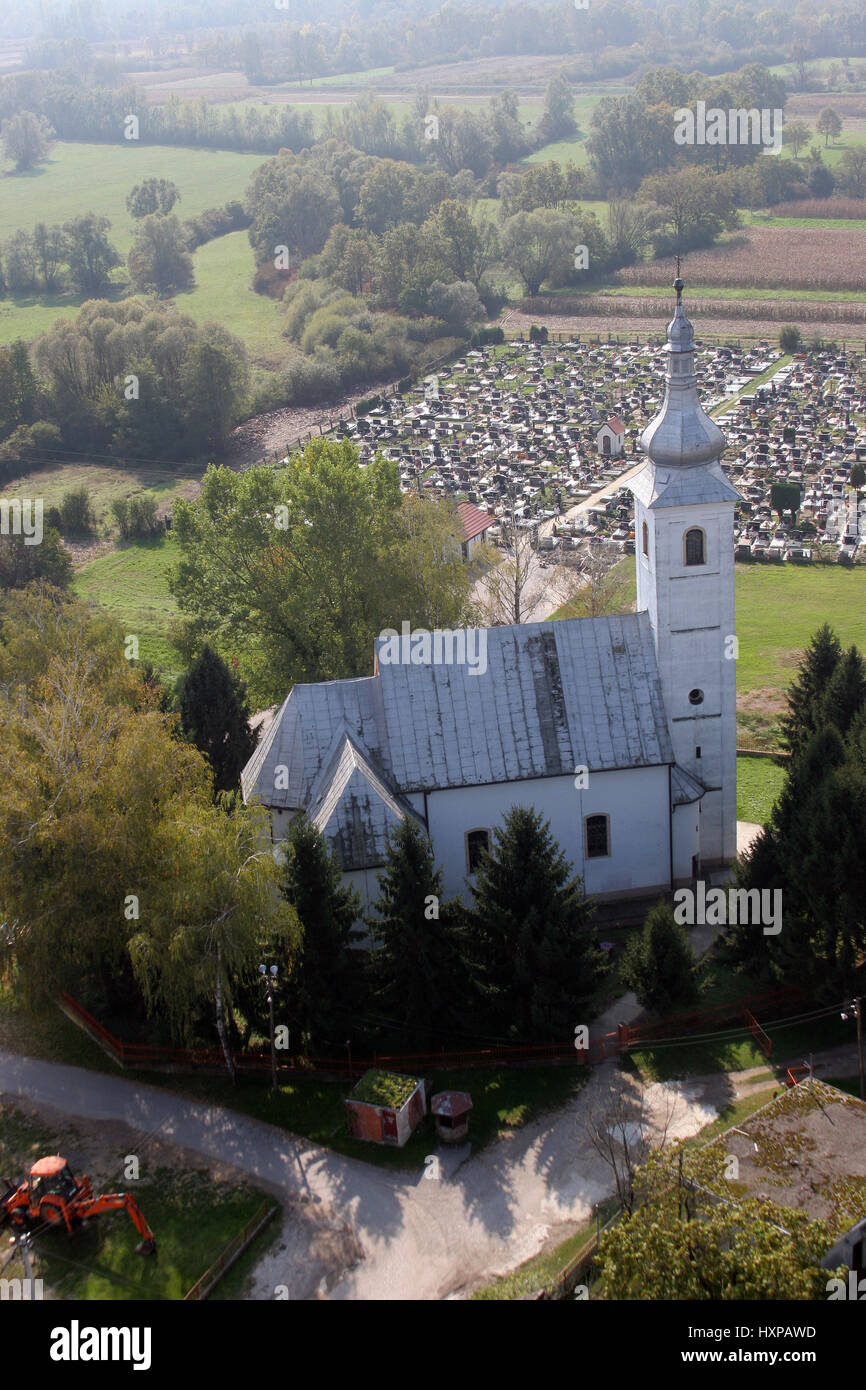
(789, 258)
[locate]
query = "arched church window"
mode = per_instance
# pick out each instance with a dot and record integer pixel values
(644, 544)
(695, 547)
(477, 844)
(597, 832)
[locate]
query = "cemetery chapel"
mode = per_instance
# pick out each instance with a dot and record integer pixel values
(619, 731)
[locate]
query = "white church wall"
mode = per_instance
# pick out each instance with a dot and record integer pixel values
(687, 840)
(635, 800)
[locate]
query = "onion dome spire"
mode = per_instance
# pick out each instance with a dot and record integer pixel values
(681, 434)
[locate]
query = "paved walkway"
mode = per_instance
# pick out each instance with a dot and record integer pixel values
(421, 1238)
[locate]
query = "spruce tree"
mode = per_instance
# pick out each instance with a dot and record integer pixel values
(820, 660)
(659, 964)
(323, 992)
(529, 930)
(419, 978)
(214, 715)
(845, 693)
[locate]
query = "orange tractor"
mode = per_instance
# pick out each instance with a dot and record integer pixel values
(52, 1195)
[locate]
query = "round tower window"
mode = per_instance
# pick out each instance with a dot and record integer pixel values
(696, 697)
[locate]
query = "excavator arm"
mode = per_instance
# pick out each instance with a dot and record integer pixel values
(116, 1201)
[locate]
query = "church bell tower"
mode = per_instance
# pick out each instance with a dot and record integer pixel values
(684, 556)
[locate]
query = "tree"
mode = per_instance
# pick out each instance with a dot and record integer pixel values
(215, 716)
(152, 196)
(215, 375)
(852, 171)
(300, 570)
(844, 695)
(829, 124)
(511, 591)
(598, 586)
(469, 244)
(529, 928)
(659, 964)
(158, 259)
(418, 975)
(624, 1130)
(323, 993)
(89, 253)
(820, 660)
(790, 338)
(222, 912)
(26, 139)
(458, 304)
(51, 253)
(696, 204)
(540, 246)
(857, 479)
(797, 134)
(681, 1243)
(91, 780)
(786, 497)
(821, 180)
(557, 120)
(21, 564)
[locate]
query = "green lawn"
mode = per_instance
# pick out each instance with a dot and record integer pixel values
(192, 1216)
(80, 178)
(778, 610)
(224, 270)
(106, 482)
(759, 782)
(132, 584)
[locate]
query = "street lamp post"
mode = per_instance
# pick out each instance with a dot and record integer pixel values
(855, 1009)
(270, 979)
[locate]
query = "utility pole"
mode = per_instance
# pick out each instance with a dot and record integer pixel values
(269, 977)
(855, 1009)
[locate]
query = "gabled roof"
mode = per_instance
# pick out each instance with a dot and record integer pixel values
(301, 738)
(553, 696)
(539, 700)
(616, 424)
(473, 520)
(354, 808)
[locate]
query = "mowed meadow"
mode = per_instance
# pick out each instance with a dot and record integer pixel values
(81, 178)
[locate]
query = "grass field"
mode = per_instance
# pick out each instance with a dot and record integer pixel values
(192, 1216)
(223, 272)
(759, 781)
(132, 584)
(80, 178)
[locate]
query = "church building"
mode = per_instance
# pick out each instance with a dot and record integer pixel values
(620, 731)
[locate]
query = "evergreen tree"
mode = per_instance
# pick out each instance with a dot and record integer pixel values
(419, 978)
(215, 717)
(659, 964)
(323, 991)
(529, 930)
(820, 660)
(845, 693)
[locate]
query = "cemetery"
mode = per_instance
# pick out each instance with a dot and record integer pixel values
(541, 434)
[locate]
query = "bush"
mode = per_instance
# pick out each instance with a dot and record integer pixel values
(369, 403)
(76, 513)
(214, 222)
(538, 335)
(790, 338)
(483, 337)
(136, 516)
(311, 380)
(404, 385)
